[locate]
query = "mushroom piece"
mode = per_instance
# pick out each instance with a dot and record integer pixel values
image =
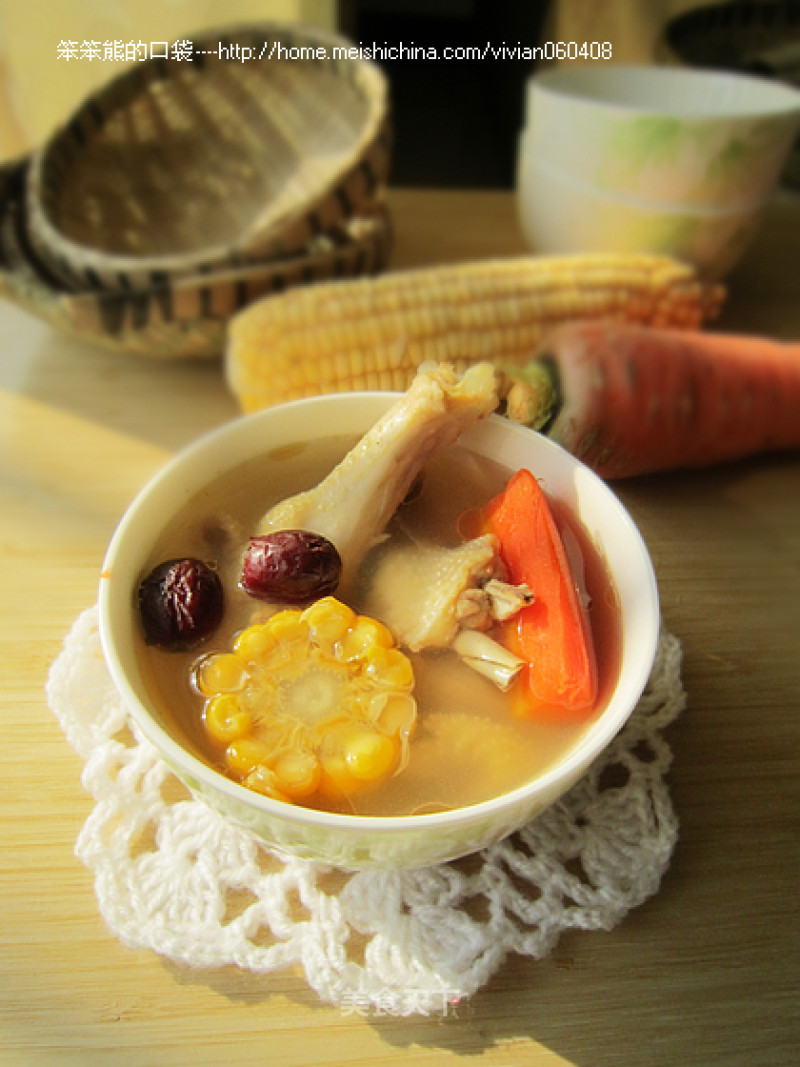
(488, 657)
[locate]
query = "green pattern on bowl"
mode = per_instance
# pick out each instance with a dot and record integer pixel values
(663, 137)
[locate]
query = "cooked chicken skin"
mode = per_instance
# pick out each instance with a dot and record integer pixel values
(416, 589)
(426, 594)
(352, 506)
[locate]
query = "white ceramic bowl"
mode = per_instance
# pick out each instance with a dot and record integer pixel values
(560, 214)
(664, 135)
(349, 841)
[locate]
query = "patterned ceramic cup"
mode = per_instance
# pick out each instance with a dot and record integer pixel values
(348, 841)
(663, 135)
(559, 214)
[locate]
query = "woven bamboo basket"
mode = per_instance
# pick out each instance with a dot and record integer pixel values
(178, 317)
(209, 163)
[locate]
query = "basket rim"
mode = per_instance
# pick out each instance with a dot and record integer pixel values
(289, 232)
(191, 309)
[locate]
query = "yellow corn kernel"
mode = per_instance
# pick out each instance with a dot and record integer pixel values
(397, 716)
(261, 779)
(389, 668)
(297, 772)
(354, 334)
(287, 626)
(366, 634)
(335, 780)
(246, 753)
(220, 672)
(254, 643)
(329, 620)
(225, 719)
(355, 758)
(370, 756)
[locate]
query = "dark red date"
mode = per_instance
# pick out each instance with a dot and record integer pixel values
(292, 566)
(180, 603)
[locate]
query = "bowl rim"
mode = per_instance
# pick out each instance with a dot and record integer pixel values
(595, 739)
(580, 85)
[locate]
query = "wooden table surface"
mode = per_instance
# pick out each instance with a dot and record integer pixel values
(705, 973)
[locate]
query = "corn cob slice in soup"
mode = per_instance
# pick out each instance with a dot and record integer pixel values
(375, 333)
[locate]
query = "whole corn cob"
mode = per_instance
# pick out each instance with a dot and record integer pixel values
(374, 333)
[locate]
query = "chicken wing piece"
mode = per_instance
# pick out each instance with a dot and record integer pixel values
(426, 594)
(416, 589)
(352, 506)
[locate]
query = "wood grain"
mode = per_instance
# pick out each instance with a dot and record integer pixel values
(705, 973)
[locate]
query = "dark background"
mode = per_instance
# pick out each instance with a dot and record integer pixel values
(456, 122)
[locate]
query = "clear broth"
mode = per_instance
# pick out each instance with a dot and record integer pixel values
(468, 747)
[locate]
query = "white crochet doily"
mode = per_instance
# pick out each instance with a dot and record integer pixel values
(173, 876)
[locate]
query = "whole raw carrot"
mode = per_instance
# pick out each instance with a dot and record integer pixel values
(629, 400)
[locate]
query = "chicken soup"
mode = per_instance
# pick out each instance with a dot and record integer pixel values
(466, 739)
(388, 626)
